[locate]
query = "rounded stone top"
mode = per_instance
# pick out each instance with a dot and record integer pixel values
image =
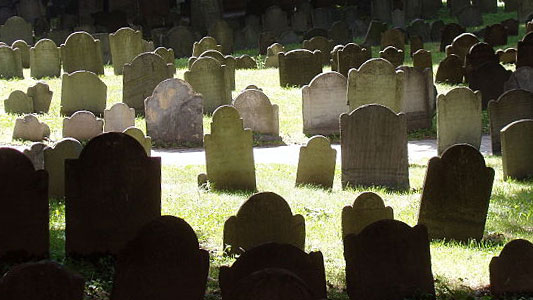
(368, 200)
(319, 141)
(265, 202)
(225, 112)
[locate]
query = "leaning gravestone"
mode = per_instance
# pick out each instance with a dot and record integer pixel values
(36, 154)
(450, 70)
(517, 142)
(522, 78)
(16, 28)
(512, 271)
(206, 43)
(449, 33)
(394, 55)
(351, 56)
(24, 227)
(367, 208)
(82, 52)
(45, 59)
(29, 128)
(257, 112)
(272, 60)
(524, 55)
(389, 260)
(422, 60)
(113, 187)
(489, 79)
(323, 101)
(54, 163)
(41, 96)
(299, 67)
(174, 114)
(456, 194)
(363, 165)
(141, 275)
(316, 163)
(18, 103)
(141, 76)
(376, 81)
(125, 44)
(83, 90)
(82, 125)
(10, 63)
(320, 43)
(496, 35)
(24, 52)
(118, 118)
(393, 37)
(418, 97)
(138, 135)
(461, 45)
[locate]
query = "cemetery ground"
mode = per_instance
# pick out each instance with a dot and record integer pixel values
(460, 269)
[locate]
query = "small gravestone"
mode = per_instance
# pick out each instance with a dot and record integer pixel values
(18, 103)
(272, 60)
(320, 43)
(511, 26)
(323, 101)
(82, 125)
(420, 28)
(113, 187)
(16, 28)
(24, 228)
(82, 52)
(416, 44)
(496, 35)
(83, 90)
(206, 43)
(422, 60)
(461, 45)
(174, 114)
(516, 145)
(450, 70)
(138, 135)
(29, 128)
(223, 33)
(524, 55)
(54, 163)
(389, 260)
(351, 56)
(340, 33)
(180, 39)
(24, 52)
(376, 81)
(10, 63)
(521, 78)
(449, 33)
(436, 31)
(257, 112)
(418, 98)
(393, 37)
(275, 20)
(470, 16)
(512, 271)
(44, 280)
(245, 62)
(362, 165)
(507, 56)
(166, 53)
(489, 79)
(394, 55)
(367, 208)
(316, 163)
(125, 44)
(45, 59)
(299, 67)
(36, 154)
(141, 76)
(456, 194)
(478, 55)
(373, 34)
(118, 118)
(140, 274)
(41, 96)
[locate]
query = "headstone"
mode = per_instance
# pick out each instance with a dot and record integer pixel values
(275, 20)
(245, 62)
(29, 128)
(524, 56)
(82, 125)
(394, 55)
(299, 67)
(450, 70)
(367, 208)
(512, 271)
(272, 60)
(489, 79)
(511, 26)
(147, 46)
(340, 33)
(351, 56)
(82, 90)
(138, 135)
(45, 60)
(525, 9)
(416, 44)
(104, 46)
(228, 61)
(456, 194)
(320, 43)
(520, 79)
(419, 27)
(461, 45)
(398, 18)
(118, 118)
(449, 33)
(112, 190)
(418, 98)
(362, 163)
(478, 55)
(24, 52)
(496, 35)
(422, 60)
(10, 63)
(181, 40)
(300, 21)
(54, 163)
(507, 56)
(18, 103)
(516, 145)
(36, 154)
(257, 112)
(316, 163)
(125, 44)
(166, 53)
(223, 33)
(470, 16)
(82, 52)
(436, 31)
(393, 37)
(16, 28)
(373, 35)
(266, 39)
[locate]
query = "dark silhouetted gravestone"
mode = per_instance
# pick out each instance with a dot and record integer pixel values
(54, 162)
(163, 261)
(419, 27)
(436, 31)
(24, 218)
(373, 34)
(512, 271)
(449, 33)
(478, 55)
(517, 142)
(394, 55)
(82, 90)
(393, 37)
(266, 39)
(416, 44)
(367, 208)
(489, 79)
(470, 16)
(308, 267)
(422, 60)
(496, 35)
(388, 260)
(45, 60)
(461, 45)
(299, 67)
(351, 56)
(450, 70)
(223, 33)
(524, 56)
(456, 194)
(263, 218)
(82, 52)
(521, 78)
(525, 8)
(340, 33)
(316, 163)
(511, 26)
(111, 191)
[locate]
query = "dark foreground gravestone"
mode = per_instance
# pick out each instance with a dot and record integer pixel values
(524, 56)
(450, 70)
(512, 271)
(388, 260)
(367, 208)
(111, 191)
(456, 194)
(489, 79)
(299, 67)
(163, 261)
(517, 143)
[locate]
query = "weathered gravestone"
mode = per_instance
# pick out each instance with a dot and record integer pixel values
(478, 55)
(516, 145)
(275, 20)
(351, 56)
(496, 35)
(376, 81)
(206, 43)
(245, 62)
(24, 52)
(320, 43)
(449, 33)
(450, 70)
(470, 16)
(461, 45)
(416, 44)
(82, 125)
(179, 270)
(456, 194)
(104, 46)
(36, 154)
(166, 53)
(524, 55)
(10, 63)
(29, 128)
(418, 97)
(228, 151)
(82, 52)
(394, 55)
(436, 32)
(512, 106)
(316, 163)
(54, 163)
(41, 96)
(525, 9)
(367, 208)
(419, 27)
(18, 103)
(174, 114)
(374, 148)
(511, 26)
(45, 59)
(507, 56)
(323, 101)
(422, 60)
(388, 260)
(16, 28)
(489, 79)
(257, 112)
(141, 76)
(272, 60)
(512, 271)
(24, 227)
(228, 61)
(299, 67)
(223, 33)
(125, 44)
(82, 90)
(111, 191)
(521, 78)
(340, 33)
(393, 37)
(181, 40)
(138, 135)
(373, 34)
(44, 280)
(118, 118)
(307, 267)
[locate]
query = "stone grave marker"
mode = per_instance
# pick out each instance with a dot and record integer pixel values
(257, 112)
(138, 135)
(516, 145)
(245, 62)
(351, 56)
(373, 34)
(36, 154)
(496, 35)
(524, 55)
(320, 43)
(418, 97)
(511, 26)
(82, 52)
(367, 208)
(54, 163)
(436, 31)
(478, 55)
(507, 56)
(41, 96)
(82, 90)
(118, 118)
(180, 39)
(18, 103)
(228, 61)
(206, 43)
(10, 63)
(275, 20)
(316, 163)
(29, 128)
(272, 60)
(24, 52)
(393, 37)
(449, 33)
(419, 27)
(489, 79)
(125, 44)
(16, 28)
(521, 78)
(393, 55)
(512, 271)
(223, 33)
(166, 53)
(45, 60)
(300, 21)
(104, 46)
(450, 70)
(82, 125)
(422, 60)
(299, 67)
(416, 44)
(461, 45)
(470, 16)
(340, 33)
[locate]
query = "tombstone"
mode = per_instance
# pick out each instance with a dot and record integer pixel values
(266, 39)
(24, 52)
(275, 20)
(373, 35)
(419, 27)
(41, 96)
(147, 46)
(524, 56)
(489, 79)
(512, 271)
(16, 28)
(316, 163)
(398, 18)
(436, 31)
(44, 280)
(496, 35)
(221, 31)
(104, 46)
(456, 194)
(422, 60)
(299, 67)
(36, 154)
(367, 208)
(507, 56)
(29, 128)
(138, 135)
(228, 150)
(416, 44)
(300, 21)
(418, 97)
(388, 259)
(461, 45)
(58, 36)
(10, 63)
(24, 224)
(82, 90)
(351, 56)
(525, 9)
(364, 165)
(141, 76)
(320, 43)
(257, 112)
(45, 60)
(516, 144)
(394, 55)
(250, 36)
(18, 103)
(166, 53)
(174, 114)
(314, 32)
(181, 40)
(272, 60)
(470, 16)
(207, 77)
(448, 34)
(376, 81)
(478, 55)
(340, 33)
(450, 70)
(54, 163)
(289, 37)
(82, 125)
(140, 274)
(118, 118)
(511, 26)
(520, 79)
(125, 44)
(381, 10)
(308, 268)
(228, 61)
(245, 62)
(393, 37)
(82, 52)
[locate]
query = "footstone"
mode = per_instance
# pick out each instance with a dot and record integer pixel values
(24, 52)
(118, 117)
(512, 271)
(41, 96)
(18, 103)
(257, 112)
(316, 163)
(517, 142)
(36, 154)
(450, 70)
(82, 125)
(29, 128)
(82, 52)
(10, 63)
(54, 163)
(82, 90)
(45, 60)
(367, 208)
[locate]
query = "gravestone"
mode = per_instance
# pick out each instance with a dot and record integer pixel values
(450, 70)
(206, 43)
(511, 26)
(489, 79)
(525, 9)
(289, 37)
(419, 27)
(82, 90)
(351, 56)
(24, 227)
(393, 55)
(16, 28)
(24, 52)
(470, 16)
(521, 78)
(516, 145)
(373, 34)
(398, 18)
(461, 45)
(340, 33)
(314, 32)
(166, 53)
(54, 163)
(300, 21)
(36, 154)
(141, 76)
(416, 44)
(174, 114)
(245, 62)
(367, 208)
(118, 118)
(418, 98)
(323, 101)
(41, 96)
(335, 57)
(393, 37)
(316, 163)
(228, 61)
(478, 55)
(82, 52)
(138, 135)
(449, 33)
(272, 60)
(512, 271)
(381, 10)
(496, 35)
(374, 148)
(112, 188)
(82, 125)
(180, 39)
(18, 103)
(299, 67)
(125, 44)
(507, 56)
(436, 31)
(59, 36)
(104, 46)
(320, 43)
(422, 60)
(389, 260)
(223, 33)
(266, 38)
(257, 112)
(10, 63)
(204, 13)
(376, 81)
(524, 55)
(275, 20)
(456, 194)
(179, 270)
(29, 128)
(45, 60)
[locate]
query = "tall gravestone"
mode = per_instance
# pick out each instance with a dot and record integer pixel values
(54, 163)
(125, 44)
(16, 28)
(418, 98)
(257, 112)
(82, 90)
(24, 52)
(512, 271)
(299, 67)
(351, 56)
(82, 52)
(517, 142)
(10, 63)
(316, 163)
(367, 208)
(45, 60)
